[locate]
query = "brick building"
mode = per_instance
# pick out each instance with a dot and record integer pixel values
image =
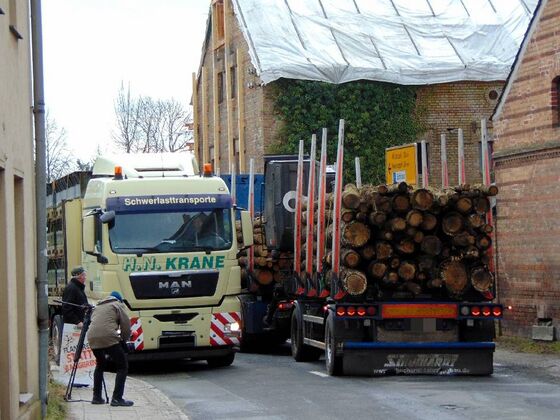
(527, 170)
(19, 336)
(246, 51)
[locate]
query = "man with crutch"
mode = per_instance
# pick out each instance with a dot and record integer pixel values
(109, 330)
(86, 310)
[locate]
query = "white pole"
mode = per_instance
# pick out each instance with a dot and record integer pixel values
(311, 208)
(321, 200)
(444, 171)
(233, 185)
(425, 178)
(461, 158)
(337, 207)
(358, 173)
(297, 217)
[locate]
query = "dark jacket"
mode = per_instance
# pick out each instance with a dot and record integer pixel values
(108, 317)
(73, 293)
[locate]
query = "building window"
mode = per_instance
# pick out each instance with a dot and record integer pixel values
(218, 23)
(233, 81)
(20, 248)
(555, 101)
(220, 87)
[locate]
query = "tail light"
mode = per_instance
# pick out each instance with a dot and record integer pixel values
(284, 306)
(360, 311)
(497, 311)
(475, 311)
(486, 311)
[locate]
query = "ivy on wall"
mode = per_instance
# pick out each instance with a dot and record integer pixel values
(377, 115)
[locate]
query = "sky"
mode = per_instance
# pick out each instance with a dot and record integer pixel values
(92, 47)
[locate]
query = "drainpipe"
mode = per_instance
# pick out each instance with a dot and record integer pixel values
(40, 199)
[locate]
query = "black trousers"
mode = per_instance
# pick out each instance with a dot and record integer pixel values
(120, 359)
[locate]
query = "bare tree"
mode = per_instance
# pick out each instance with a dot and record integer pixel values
(148, 125)
(174, 134)
(59, 158)
(127, 114)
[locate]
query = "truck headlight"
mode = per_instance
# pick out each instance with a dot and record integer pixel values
(232, 328)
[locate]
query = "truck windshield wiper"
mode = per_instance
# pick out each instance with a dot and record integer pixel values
(136, 250)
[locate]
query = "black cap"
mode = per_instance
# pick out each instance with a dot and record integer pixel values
(76, 271)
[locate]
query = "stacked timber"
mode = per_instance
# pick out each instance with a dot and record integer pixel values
(399, 240)
(269, 267)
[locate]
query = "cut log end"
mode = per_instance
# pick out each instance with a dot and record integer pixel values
(354, 282)
(481, 279)
(454, 275)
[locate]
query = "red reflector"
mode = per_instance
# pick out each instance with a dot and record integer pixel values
(351, 311)
(361, 311)
(371, 310)
(475, 311)
(486, 311)
(283, 306)
(497, 311)
(419, 310)
(340, 311)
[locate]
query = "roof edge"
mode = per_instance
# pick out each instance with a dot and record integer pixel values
(518, 58)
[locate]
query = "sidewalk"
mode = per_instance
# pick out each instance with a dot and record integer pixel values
(149, 403)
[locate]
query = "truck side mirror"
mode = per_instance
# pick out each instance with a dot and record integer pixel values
(107, 217)
(247, 228)
(88, 234)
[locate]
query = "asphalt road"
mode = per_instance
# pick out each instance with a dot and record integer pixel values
(274, 386)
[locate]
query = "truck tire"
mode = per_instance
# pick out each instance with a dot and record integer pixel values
(301, 352)
(332, 361)
(56, 337)
(221, 361)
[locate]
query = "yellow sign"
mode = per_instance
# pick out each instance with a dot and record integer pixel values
(401, 164)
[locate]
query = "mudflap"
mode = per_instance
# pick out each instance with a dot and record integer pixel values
(374, 359)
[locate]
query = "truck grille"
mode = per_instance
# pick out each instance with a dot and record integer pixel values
(176, 284)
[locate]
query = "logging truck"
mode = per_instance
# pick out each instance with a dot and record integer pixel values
(162, 234)
(388, 279)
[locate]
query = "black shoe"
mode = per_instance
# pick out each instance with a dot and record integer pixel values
(121, 403)
(98, 400)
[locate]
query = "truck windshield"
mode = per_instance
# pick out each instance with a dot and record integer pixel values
(162, 232)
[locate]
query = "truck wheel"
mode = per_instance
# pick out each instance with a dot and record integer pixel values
(301, 352)
(221, 361)
(332, 361)
(56, 337)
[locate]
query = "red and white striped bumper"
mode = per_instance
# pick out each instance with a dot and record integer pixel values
(220, 329)
(137, 333)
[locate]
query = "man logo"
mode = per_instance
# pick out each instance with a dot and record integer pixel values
(175, 286)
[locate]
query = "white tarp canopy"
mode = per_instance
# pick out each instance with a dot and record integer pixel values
(406, 42)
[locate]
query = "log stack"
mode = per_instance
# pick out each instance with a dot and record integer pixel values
(400, 240)
(270, 268)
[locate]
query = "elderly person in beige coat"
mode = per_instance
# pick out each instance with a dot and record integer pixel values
(110, 326)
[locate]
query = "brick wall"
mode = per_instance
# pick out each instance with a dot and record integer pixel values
(254, 107)
(446, 107)
(527, 147)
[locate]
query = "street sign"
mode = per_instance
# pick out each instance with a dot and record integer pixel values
(401, 164)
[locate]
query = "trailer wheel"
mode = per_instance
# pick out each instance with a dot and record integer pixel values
(332, 361)
(221, 361)
(56, 337)
(301, 352)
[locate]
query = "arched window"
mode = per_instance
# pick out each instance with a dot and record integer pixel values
(555, 101)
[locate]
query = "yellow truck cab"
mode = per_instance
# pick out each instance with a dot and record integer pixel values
(163, 235)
